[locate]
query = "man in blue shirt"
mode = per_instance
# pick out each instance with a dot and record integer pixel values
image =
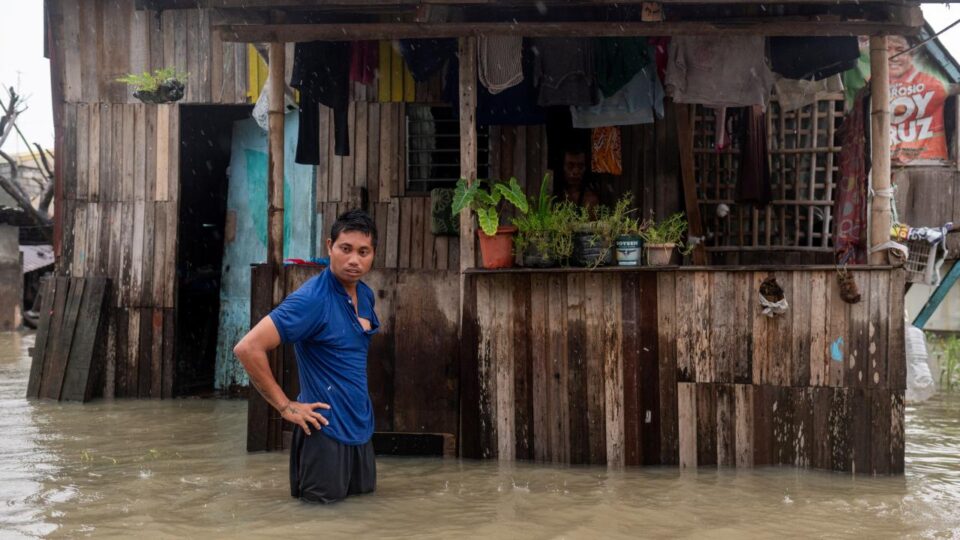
(330, 320)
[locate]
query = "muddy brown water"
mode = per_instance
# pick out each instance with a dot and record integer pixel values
(178, 468)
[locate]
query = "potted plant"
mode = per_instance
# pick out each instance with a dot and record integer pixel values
(544, 232)
(496, 241)
(630, 241)
(597, 230)
(661, 238)
(162, 86)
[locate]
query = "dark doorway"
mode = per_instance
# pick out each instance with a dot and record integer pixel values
(205, 139)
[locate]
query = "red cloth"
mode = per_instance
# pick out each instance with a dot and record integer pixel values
(659, 45)
(850, 205)
(364, 59)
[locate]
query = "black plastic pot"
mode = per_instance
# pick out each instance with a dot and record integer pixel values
(168, 92)
(588, 247)
(534, 258)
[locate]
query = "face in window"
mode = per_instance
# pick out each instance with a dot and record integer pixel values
(351, 255)
(902, 64)
(574, 165)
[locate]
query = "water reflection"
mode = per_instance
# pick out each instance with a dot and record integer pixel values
(179, 468)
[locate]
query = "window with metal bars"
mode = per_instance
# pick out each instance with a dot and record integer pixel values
(433, 148)
(803, 154)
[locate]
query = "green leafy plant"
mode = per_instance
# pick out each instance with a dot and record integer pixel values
(486, 201)
(546, 225)
(150, 82)
(949, 361)
(668, 231)
(604, 224)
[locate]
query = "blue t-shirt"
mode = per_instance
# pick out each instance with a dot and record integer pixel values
(331, 347)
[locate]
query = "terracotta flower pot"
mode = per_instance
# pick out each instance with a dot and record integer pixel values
(497, 250)
(659, 254)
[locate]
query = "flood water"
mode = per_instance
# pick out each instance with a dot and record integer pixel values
(178, 468)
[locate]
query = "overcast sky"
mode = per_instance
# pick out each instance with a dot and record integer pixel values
(23, 66)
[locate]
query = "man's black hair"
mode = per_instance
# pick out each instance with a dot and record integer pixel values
(354, 220)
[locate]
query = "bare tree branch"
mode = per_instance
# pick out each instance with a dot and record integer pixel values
(42, 220)
(43, 158)
(14, 172)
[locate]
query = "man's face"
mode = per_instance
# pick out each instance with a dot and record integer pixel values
(902, 64)
(351, 256)
(574, 165)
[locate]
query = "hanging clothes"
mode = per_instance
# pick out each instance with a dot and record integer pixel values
(718, 71)
(424, 57)
(500, 62)
(753, 182)
(850, 203)
(321, 72)
(639, 102)
(564, 71)
(661, 46)
(606, 154)
(515, 106)
(855, 78)
(617, 60)
(364, 60)
(813, 57)
(793, 94)
(721, 129)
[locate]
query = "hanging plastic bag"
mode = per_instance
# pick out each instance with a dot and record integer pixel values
(920, 383)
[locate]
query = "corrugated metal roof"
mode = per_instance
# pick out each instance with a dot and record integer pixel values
(36, 257)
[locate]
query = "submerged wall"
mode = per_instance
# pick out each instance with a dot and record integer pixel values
(679, 367)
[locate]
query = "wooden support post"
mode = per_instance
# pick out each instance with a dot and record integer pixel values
(880, 147)
(687, 172)
(275, 171)
(468, 144)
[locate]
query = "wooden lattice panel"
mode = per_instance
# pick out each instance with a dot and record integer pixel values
(802, 150)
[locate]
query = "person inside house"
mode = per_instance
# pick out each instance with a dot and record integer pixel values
(330, 321)
(576, 186)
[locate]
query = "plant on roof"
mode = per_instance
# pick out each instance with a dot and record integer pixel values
(484, 197)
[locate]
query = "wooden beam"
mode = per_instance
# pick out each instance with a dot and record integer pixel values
(275, 167)
(880, 147)
(687, 173)
(780, 26)
(359, 4)
(468, 144)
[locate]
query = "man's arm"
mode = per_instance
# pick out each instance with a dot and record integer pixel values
(252, 352)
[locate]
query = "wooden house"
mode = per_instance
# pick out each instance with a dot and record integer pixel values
(624, 367)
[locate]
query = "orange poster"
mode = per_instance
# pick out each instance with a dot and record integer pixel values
(916, 108)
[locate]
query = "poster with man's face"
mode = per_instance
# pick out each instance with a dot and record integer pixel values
(917, 98)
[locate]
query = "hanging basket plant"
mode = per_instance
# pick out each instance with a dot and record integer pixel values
(162, 86)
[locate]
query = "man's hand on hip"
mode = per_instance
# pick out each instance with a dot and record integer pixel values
(302, 414)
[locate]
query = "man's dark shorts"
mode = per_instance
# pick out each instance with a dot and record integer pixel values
(323, 470)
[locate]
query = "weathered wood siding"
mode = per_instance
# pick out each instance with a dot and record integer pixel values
(929, 197)
(120, 191)
(680, 367)
(413, 363)
(97, 41)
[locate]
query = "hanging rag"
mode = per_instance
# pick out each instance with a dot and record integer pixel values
(718, 71)
(321, 72)
(753, 182)
(661, 46)
(424, 57)
(639, 102)
(721, 129)
(793, 94)
(364, 60)
(618, 60)
(850, 204)
(606, 157)
(515, 106)
(813, 57)
(500, 62)
(564, 70)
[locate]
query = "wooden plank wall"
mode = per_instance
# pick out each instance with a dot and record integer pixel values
(681, 367)
(101, 40)
(413, 362)
(120, 188)
(928, 197)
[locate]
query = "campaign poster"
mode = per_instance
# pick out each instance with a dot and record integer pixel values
(917, 99)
